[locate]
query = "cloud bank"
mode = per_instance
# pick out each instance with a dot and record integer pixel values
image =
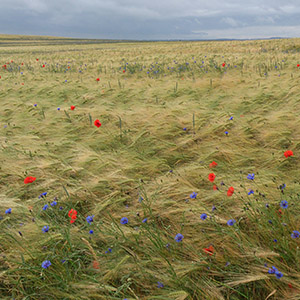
(145, 20)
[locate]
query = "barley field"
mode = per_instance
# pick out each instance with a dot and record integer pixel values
(149, 170)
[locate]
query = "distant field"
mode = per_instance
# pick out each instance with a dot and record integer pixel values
(167, 111)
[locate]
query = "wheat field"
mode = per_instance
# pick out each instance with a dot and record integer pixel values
(150, 221)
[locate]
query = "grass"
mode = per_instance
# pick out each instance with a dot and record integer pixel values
(141, 163)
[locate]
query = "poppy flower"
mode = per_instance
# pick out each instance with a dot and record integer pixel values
(72, 212)
(211, 177)
(298, 65)
(230, 191)
(43, 66)
(98, 79)
(72, 107)
(215, 188)
(29, 179)
(123, 71)
(73, 219)
(213, 164)
(223, 64)
(288, 153)
(279, 212)
(95, 264)
(210, 250)
(97, 123)
(37, 59)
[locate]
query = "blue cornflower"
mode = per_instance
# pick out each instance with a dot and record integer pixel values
(58, 108)
(231, 222)
(184, 128)
(45, 229)
(250, 176)
(193, 195)
(203, 217)
(251, 192)
(89, 219)
(8, 211)
(141, 199)
(278, 275)
(53, 203)
(275, 241)
(60, 207)
(124, 220)
(35, 105)
(91, 232)
(272, 270)
(46, 264)
(178, 238)
(213, 208)
(231, 118)
(282, 186)
(226, 132)
(42, 195)
(45, 206)
(284, 204)
(145, 220)
(109, 250)
(160, 284)
(295, 234)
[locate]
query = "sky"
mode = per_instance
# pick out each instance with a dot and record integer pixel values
(152, 19)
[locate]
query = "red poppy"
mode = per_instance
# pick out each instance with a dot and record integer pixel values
(37, 59)
(22, 64)
(73, 216)
(22, 83)
(43, 66)
(223, 64)
(29, 179)
(288, 153)
(279, 212)
(72, 212)
(213, 164)
(96, 265)
(298, 65)
(0, 77)
(72, 107)
(211, 177)
(97, 123)
(210, 250)
(215, 188)
(230, 191)
(290, 286)
(98, 79)
(11, 61)
(123, 71)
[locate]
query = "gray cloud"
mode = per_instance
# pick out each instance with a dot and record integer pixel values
(156, 19)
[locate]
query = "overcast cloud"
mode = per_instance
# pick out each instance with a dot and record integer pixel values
(152, 19)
